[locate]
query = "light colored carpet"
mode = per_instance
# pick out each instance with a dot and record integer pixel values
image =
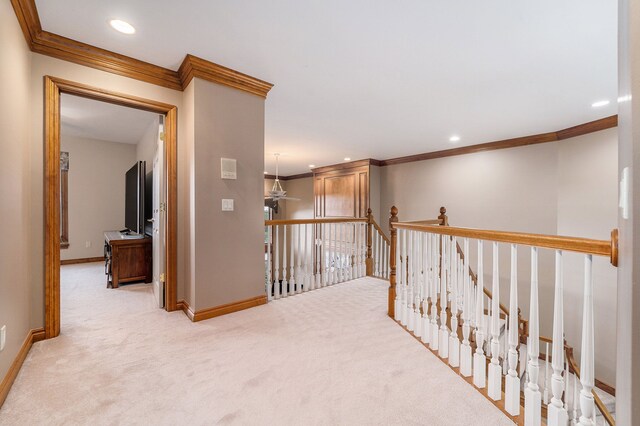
(328, 357)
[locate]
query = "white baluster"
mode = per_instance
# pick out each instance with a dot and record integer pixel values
(512, 381)
(276, 275)
(479, 358)
(494, 389)
(292, 274)
(532, 396)
(410, 281)
(465, 349)
(320, 254)
(356, 237)
(306, 280)
(545, 394)
(575, 399)
(285, 270)
(587, 375)
(398, 301)
(417, 254)
(443, 346)
(269, 266)
(426, 322)
(403, 272)
(299, 271)
(435, 252)
(331, 264)
(352, 252)
(454, 343)
(557, 414)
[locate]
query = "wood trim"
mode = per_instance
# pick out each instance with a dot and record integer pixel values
(580, 245)
(33, 336)
(59, 47)
(228, 308)
(590, 127)
(171, 230)
(184, 307)
(344, 166)
(52, 208)
(53, 87)
(82, 260)
(313, 221)
(192, 66)
(581, 129)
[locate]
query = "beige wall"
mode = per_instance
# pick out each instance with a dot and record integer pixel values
(41, 66)
(96, 192)
(15, 179)
(146, 147)
(296, 188)
(567, 187)
(229, 248)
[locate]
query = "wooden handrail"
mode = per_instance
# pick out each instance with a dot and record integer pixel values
(314, 221)
(380, 231)
(606, 248)
(425, 222)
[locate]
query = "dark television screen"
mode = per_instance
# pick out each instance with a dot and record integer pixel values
(134, 198)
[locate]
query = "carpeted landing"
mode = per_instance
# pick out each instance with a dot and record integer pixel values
(328, 357)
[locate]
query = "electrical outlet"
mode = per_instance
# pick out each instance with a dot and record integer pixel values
(87, 244)
(3, 337)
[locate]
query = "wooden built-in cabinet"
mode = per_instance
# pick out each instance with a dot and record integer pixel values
(342, 190)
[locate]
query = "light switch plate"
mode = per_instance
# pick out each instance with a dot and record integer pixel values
(227, 204)
(3, 337)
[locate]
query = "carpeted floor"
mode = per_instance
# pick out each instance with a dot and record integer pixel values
(328, 357)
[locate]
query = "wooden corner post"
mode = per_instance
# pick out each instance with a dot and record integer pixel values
(392, 260)
(369, 260)
(444, 219)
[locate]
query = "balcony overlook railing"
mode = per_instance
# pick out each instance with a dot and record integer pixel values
(435, 294)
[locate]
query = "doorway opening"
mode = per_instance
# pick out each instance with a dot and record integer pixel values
(123, 211)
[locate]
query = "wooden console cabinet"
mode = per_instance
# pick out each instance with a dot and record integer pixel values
(126, 259)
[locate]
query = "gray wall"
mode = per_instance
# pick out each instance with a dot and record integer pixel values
(628, 377)
(96, 192)
(15, 177)
(229, 249)
(566, 188)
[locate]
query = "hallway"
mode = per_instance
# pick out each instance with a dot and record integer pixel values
(326, 357)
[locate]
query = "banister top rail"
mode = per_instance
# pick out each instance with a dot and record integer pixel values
(425, 222)
(375, 224)
(606, 248)
(314, 221)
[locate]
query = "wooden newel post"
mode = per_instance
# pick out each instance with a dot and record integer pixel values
(444, 219)
(392, 260)
(369, 260)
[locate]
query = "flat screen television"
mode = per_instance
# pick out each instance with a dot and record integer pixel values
(134, 218)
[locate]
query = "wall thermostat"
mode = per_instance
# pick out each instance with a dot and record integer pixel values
(228, 167)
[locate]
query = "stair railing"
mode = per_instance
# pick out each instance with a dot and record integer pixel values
(435, 280)
(306, 254)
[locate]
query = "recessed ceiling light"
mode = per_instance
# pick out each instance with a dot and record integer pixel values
(311, 166)
(600, 103)
(625, 98)
(266, 173)
(347, 159)
(122, 26)
(454, 138)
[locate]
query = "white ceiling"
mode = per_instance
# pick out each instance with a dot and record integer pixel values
(88, 118)
(379, 79)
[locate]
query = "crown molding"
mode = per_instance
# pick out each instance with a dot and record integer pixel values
(59, 47)
(192, 66)
(571, 132)
(291, 177)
